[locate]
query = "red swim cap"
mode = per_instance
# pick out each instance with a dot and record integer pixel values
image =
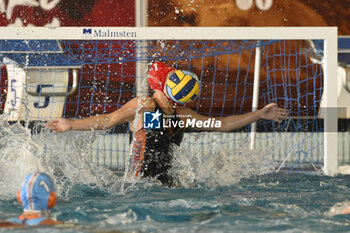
(157, 75)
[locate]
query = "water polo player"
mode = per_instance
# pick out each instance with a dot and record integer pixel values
(37, 197)
(152, 148)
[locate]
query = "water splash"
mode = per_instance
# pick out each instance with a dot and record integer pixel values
(220, 166)
(64, 156)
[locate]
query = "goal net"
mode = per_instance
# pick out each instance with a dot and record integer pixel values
(81, 72)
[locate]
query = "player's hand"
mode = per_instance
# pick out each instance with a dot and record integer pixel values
(59, 125)
(272, 112)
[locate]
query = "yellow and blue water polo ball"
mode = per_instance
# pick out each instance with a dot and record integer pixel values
(182, 86)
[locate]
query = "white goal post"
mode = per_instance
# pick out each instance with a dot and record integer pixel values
(327, 34)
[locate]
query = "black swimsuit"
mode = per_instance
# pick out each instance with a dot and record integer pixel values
(153, 150)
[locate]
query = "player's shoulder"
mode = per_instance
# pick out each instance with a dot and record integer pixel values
(50, 222)
(146, 102)
(8, 224)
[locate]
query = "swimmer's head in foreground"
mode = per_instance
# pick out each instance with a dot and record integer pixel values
(37, 197)
(37, 193)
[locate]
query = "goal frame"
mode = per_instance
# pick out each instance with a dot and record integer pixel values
(328, 34)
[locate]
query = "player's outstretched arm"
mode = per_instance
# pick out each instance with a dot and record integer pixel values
(229, 123)
(59, 125)
(102, 121)
(272, 112)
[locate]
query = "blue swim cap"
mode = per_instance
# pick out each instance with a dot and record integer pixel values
(36, 191)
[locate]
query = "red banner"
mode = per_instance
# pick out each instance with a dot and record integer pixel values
(56, 13)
